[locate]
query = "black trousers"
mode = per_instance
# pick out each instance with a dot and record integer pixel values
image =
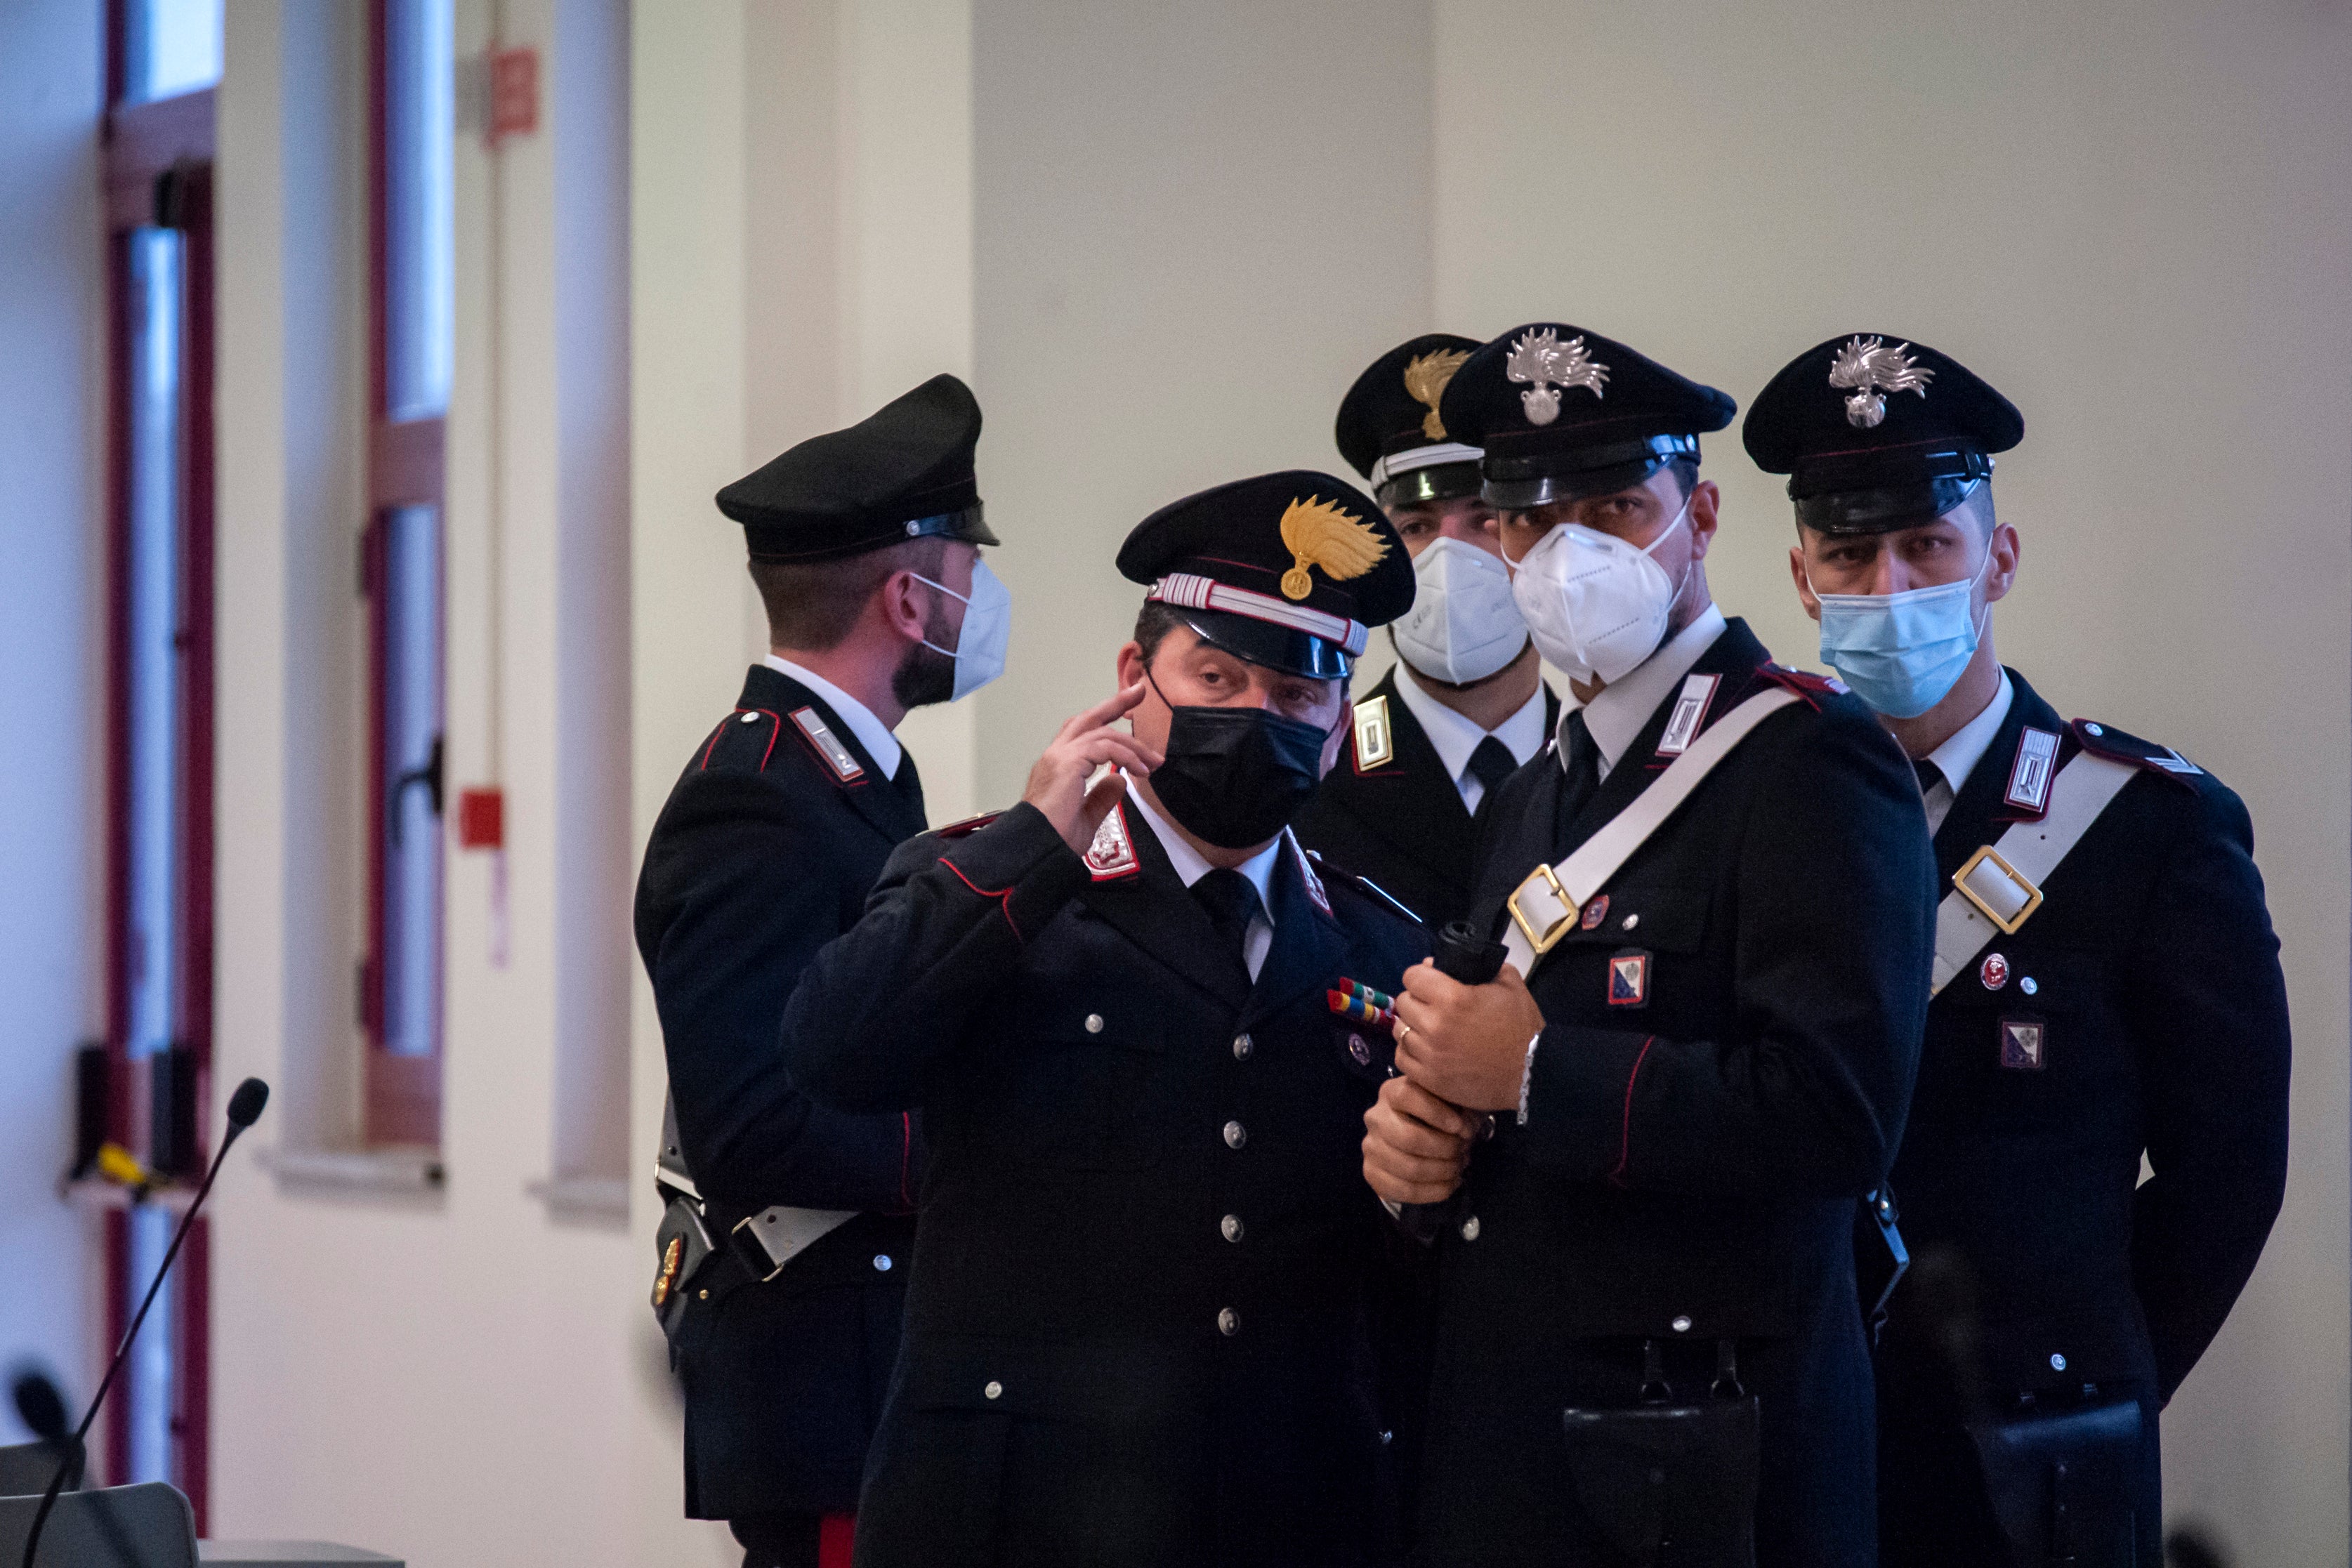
(781, 1539)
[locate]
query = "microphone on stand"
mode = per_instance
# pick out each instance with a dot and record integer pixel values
(243, 1109)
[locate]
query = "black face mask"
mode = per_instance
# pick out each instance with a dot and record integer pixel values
(1235, 776)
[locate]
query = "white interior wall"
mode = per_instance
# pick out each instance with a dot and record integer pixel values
(461, 1375)
(1161, 245)
(2134, 220)
(52, 641)
(1194, 225)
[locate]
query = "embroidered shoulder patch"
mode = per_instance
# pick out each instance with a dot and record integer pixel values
(827, 744)
(1374, 744)
(1306, 874)
(1690, 712)
(1111, 856)
(2029, 775)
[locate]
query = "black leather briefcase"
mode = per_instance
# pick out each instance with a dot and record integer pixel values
(2066, 1486)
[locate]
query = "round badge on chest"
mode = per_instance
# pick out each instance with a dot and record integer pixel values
(1993, 971)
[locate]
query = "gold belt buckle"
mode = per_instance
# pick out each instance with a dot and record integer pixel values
(1545, 941)
(2033, 893)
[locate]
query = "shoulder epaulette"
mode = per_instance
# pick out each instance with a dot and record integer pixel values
(745, 739)
(2106, 740)
(966, 828)
(1804, 683)
(1364, 885)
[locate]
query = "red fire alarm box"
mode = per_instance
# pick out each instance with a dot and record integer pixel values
(481, 819)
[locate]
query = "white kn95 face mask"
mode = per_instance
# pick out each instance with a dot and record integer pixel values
(1463, 624)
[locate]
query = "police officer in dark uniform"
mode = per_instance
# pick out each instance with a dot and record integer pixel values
(1143, 1026)
(2108, 987)
(1713, 885)
(783, 1273)
(1469, 706)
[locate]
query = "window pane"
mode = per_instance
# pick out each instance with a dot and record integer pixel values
(170, 47)
(419, 113)
(411, 737)
(152, 582)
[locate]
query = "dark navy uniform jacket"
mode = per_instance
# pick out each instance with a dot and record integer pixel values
(2153, 974)
(1401, 822)
(1699, 1131)
(1135, 1331)
(765, 851)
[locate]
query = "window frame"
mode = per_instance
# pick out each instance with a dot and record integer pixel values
(406, 466)
(140, 143)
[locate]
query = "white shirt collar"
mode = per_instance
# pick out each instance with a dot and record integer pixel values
(1960, 752)
(1258, 941)
(871, 732)
(1188, 865)
(1617, 714)
(1454, 737)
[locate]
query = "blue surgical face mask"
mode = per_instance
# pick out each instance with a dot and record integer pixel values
(1902, 652)
(979, 653)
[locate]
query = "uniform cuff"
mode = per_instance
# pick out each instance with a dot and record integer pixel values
(1580, 1100)
(1020, 861)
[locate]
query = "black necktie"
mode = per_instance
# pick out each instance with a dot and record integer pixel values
(1230, 900)
(1492, 763)
(1583, 764)
(1930, 774)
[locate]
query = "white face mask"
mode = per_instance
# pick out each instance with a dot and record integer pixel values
(979, 653)
(1463, 624)
(1596, 605)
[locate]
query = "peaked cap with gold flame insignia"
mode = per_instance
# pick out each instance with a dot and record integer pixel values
(1390, 431)
(1289, 570)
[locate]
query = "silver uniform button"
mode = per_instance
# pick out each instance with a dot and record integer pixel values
(2057, 1363)
(1230, 1227)
(1241, 1047)
(2028, 986)
(1235, 1135)
(2094, 729)
(1229, 1321)
(882, 1262)
(995, 1390)
(1681, 1325)
(751, 718)
(1094, 1023)
(1631, 921)
(1470, 1228)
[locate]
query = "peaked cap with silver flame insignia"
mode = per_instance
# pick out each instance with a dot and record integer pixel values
(1869, 369)
(1541, 444)
(1552, 367)
(1862, 459)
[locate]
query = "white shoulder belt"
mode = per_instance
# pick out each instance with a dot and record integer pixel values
(2000, 886)
(1545, 905)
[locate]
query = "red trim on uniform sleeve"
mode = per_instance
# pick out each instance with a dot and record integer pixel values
(906, 1154)
(777, 730)
(1625, 1128)
(837, 1535)
(1003, 895)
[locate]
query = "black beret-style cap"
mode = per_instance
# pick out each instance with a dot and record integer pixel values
(1290, 571)
(1878, 433)
(1562, 413)
(901, 473)
(1389, 429)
